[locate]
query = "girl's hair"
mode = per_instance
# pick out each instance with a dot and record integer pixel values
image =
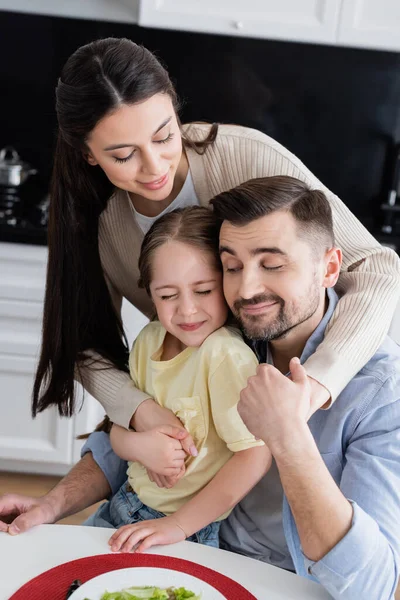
(195, 226)
(78, 311)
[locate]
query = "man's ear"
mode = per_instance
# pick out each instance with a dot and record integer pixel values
(333, 262)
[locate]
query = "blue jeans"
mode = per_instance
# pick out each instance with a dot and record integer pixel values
(125, 508)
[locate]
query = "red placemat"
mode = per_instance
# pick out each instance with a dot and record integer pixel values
(54, 584)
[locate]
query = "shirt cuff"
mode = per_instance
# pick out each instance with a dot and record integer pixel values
(127, 401)
(113, 467)
(338, 568)
(331, 370)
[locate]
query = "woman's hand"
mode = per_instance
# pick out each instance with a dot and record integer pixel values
(150, 415)
(158, 450)
(158, 531)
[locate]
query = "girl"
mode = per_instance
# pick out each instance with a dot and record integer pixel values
(122, 160)
(193, 365)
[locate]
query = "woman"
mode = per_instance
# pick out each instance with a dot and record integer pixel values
(122, 160)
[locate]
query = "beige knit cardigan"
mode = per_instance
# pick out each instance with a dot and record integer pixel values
(369, 280)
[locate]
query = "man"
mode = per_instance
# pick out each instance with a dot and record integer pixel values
(330, 507)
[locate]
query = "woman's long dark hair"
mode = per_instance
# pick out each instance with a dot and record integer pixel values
(78, 311)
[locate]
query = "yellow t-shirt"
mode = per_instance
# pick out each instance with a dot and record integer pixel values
(202, 387)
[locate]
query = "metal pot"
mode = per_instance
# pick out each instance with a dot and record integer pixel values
(13, 171)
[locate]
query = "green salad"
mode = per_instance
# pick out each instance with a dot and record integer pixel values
(150, 593)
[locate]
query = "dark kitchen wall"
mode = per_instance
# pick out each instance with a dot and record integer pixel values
(338, 109)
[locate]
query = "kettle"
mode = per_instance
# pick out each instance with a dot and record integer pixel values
(13, 171)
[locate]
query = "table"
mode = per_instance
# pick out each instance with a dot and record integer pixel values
(29, 554)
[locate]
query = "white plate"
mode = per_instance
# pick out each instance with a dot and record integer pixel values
(114, 581)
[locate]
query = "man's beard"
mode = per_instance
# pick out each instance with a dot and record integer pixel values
(287, 318)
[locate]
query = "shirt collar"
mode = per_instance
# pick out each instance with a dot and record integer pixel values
(262, 349)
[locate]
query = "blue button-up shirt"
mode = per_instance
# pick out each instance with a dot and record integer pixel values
(359, 441)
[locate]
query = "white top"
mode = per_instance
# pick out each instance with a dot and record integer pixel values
(186, 197)
(27, 555)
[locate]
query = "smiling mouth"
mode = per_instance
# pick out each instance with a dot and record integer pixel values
(191, 326)
(256, 309)
(157, 182)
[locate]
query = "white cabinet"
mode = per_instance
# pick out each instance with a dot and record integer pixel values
(296, 20)
(360, 23)
(48, 443)
(124, 11)
(370, 24)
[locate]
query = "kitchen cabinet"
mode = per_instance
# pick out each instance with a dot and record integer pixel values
(48, 443)
(370, 24)
(358, 23)
(123, 11)
(294, 20)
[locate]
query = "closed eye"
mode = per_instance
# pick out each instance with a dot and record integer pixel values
(204, 292)
(124, 160)
(165, 140)
(272, 268)
(168, 297)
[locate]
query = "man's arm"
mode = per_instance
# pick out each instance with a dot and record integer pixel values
(97, 475)
(350, 536)
(365, 560)
(322, 514)
(84, 485)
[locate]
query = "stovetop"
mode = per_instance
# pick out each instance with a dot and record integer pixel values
(23, 221)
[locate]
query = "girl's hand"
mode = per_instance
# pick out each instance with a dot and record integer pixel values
(165, 482)
(158, 531)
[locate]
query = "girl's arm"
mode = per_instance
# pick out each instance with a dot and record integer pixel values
(236, 478)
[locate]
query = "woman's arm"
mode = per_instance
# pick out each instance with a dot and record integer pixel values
(370, 279)
(159, 449)
(236, 478)
(369, 285)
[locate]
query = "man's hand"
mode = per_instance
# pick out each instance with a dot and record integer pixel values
(20, 513)
(150, 415)
(158, 531)
(272, 405)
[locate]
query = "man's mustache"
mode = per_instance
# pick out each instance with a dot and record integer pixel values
(260, 299)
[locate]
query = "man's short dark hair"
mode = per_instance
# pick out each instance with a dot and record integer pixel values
(257, 198)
